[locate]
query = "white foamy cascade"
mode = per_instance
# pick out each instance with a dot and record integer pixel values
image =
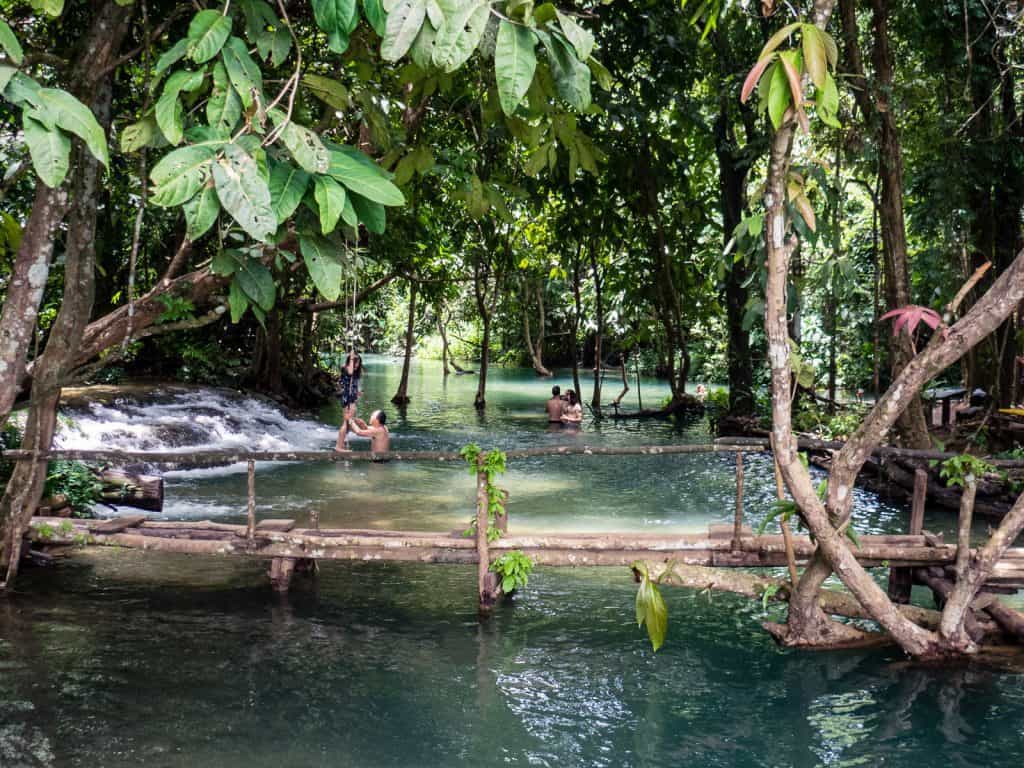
(186, 421)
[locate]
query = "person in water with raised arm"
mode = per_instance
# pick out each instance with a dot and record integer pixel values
(376, 430)
(348, 393)
(555, 405)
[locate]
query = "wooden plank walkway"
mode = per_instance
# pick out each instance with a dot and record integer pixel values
(277, 539)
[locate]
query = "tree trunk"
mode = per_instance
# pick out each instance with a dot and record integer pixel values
(595, 401)
(576, 317)
(911, 426)
(535, 351)
(24, 490)
(402, 395)
(25, 291)
(480, 401)
(444, 342)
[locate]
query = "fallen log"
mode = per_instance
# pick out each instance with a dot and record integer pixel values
(126, 489)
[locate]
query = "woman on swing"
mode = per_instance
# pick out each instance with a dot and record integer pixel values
(348, 392)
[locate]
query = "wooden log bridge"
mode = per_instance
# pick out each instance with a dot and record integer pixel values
(290, 549)
(280, 540)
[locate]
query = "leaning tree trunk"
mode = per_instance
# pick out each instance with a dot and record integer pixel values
(92, 81)
(25, 290)
(402, 395)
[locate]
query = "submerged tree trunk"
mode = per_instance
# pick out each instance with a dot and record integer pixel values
(402, 395)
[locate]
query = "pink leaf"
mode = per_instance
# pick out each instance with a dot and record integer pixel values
(753, 76)
(910, 317)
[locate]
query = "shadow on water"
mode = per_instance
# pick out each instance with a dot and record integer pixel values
(121, 659)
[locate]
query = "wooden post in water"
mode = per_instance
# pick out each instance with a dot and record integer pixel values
(484, 592)
(250, 529)
(963, 533)
(737, 523)
(901, 580)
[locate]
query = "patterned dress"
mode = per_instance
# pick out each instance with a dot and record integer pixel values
(348, 388)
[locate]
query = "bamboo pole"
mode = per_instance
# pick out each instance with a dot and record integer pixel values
(250, 529)
(963, 535)
(737, 524)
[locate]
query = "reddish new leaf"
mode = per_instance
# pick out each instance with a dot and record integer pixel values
(755, 74)
(797, 92)
(911, 316)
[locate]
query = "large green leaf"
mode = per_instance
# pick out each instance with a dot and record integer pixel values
(21, 90)
(207, 34)
(171, 56)
(258, 17)
(287, 186)
(572, 76)
(374, 12)
(180, 174)
(237, 301)
(201, 212)
(422, 50)
(274, 44)
(581, 39)
(138, 135)
(651, 610)
(170, 114)
(403, 24)
(243, 72)
(223, 108)
(514, 64)
(362, 176)
(330, 201)
(371, 214)
(330, 92)
(814, 54)
(52, 8)
(6, 73)
(60, 108)
(257, 283)
(779, 94)
(243, 193)
(338, 18)
(304, 145)
(323, 263)
(49, 149)
(459, 35)
(9, 43)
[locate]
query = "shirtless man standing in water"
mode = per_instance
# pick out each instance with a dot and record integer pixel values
(380, 438)
(555, 406)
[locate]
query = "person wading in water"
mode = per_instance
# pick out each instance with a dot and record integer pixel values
(555, 405)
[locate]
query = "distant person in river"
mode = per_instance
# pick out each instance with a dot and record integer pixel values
(348, 394)
(555, 406)
(572, 413)
(376, 430)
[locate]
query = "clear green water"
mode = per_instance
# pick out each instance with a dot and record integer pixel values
(120, 659)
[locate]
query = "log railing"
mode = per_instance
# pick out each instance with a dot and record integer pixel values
(735, 550)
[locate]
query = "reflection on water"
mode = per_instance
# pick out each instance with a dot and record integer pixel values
(122, 659)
